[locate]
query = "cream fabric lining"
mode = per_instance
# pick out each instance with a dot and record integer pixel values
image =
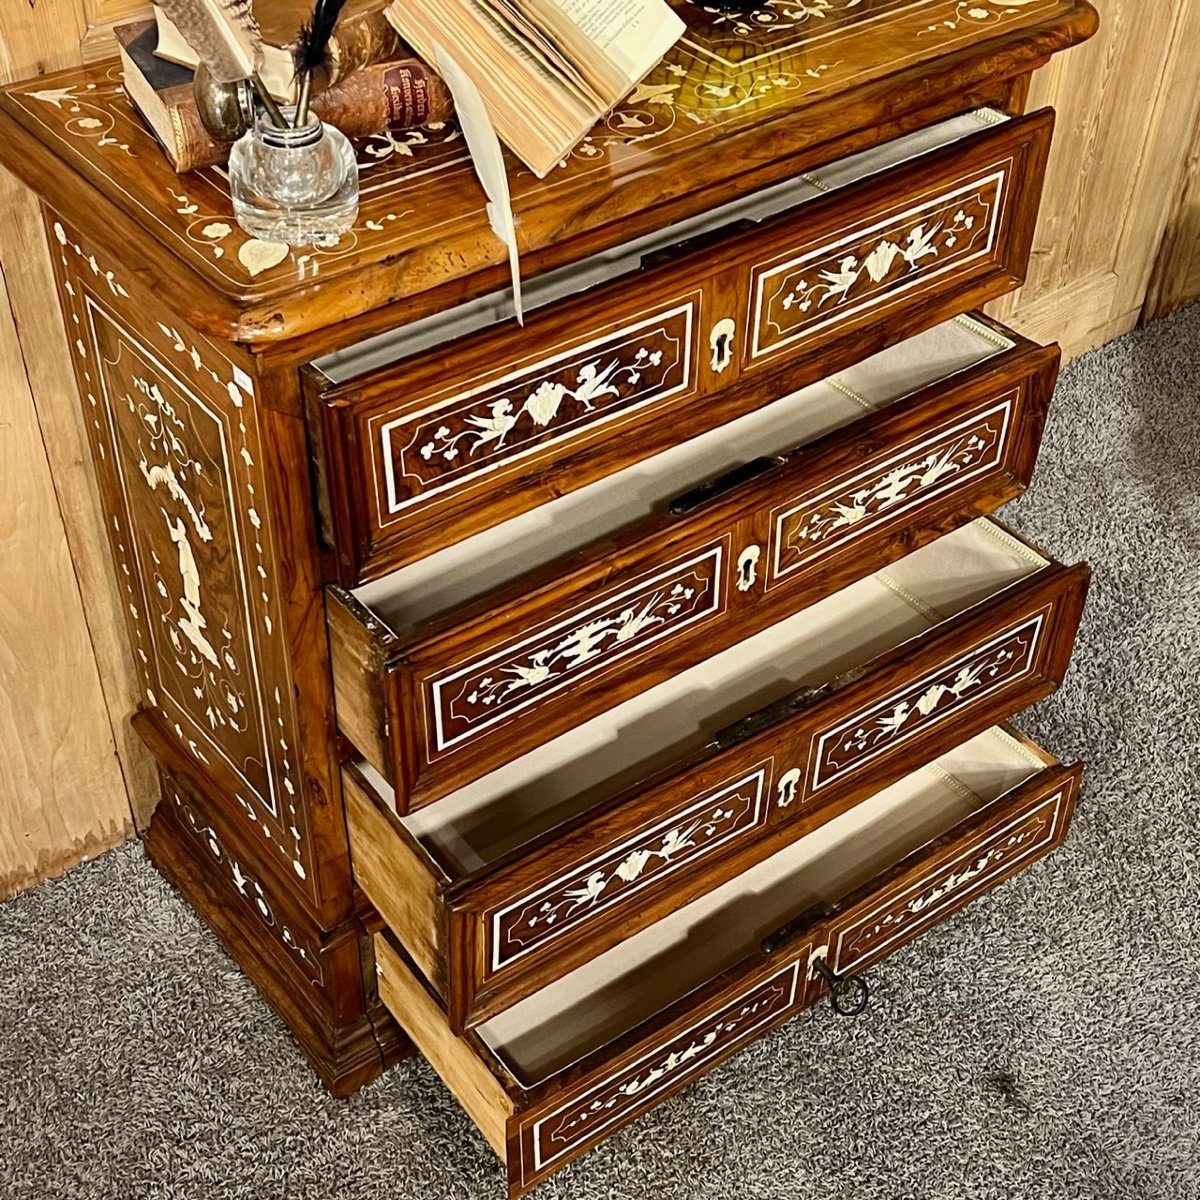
(644, 974)
(507, 808)
(395, 345)
(474, 567)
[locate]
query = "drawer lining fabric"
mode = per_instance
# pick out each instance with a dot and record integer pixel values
(557, 1026)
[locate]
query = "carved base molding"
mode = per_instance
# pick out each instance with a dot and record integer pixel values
(313, 979)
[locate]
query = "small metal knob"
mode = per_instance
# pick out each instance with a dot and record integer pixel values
(848, 994)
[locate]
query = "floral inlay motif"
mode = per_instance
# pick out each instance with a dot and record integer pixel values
(776, 58)
(829, 281)
(631, 1089)
(251, 891)
(887, 258)
(869, 496)
(169, 419)
(778, 15)
(97, 124)
(593, 382)
(623, 623)
(966, 680)
(918, 903)
(612, 878)
(980, 12)
(546, 404)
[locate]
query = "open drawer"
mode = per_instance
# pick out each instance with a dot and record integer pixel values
(446, 427)
(521, 876)
(573, 1063)
(465, 660)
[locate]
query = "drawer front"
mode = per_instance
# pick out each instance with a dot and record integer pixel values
(768, 780)
(580, 1117)
(418, 456)
(769, 987)
(536, 1128)
(531, 661)
(910, 246)
(917, 896)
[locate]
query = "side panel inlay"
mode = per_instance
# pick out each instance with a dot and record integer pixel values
(176, 439)
(250, 888)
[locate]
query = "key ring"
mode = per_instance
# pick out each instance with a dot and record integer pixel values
(839, 985)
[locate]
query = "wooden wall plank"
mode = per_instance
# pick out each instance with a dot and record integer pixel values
(63, 793)
(1175, 280)
(1127, 101)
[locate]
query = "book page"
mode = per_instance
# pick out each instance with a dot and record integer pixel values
(543, 37)
(614, 43)
(537, 112)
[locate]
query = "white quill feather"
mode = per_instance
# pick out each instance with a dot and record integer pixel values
(223, 33)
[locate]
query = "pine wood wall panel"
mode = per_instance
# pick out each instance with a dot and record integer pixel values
(1127, 103)
(67, 755)
(1176, 278)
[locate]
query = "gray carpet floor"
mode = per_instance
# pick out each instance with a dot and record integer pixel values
(1045, 1043)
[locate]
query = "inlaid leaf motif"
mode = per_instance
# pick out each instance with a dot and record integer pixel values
(892, 257)
(631, 619)
(688, 1052)
(704, 825)
(487, 426)
(1002, 660)
(904, 483)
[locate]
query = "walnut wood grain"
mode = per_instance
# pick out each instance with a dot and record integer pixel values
(557, 1119)
(395, 702)
(670, 139)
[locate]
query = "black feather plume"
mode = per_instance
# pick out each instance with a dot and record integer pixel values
(312, 46)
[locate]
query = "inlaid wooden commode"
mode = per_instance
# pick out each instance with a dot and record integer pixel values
(577, 701)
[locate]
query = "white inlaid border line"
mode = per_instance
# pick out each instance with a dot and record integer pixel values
(432, 693)
(997, 173)
(819, 742)
(268, 760)
(755, 778)
(693, 1066)
(390, 506)
(781, 515)
(981, 882)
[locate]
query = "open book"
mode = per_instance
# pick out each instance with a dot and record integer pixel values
(548, 70)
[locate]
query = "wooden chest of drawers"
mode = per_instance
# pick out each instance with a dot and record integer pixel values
(578, 701)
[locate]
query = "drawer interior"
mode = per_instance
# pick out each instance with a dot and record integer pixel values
(599, 1001)
(460, 573)
(491, 309)
(476, 825)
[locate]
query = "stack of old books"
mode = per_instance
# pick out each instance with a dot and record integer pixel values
(159, 67)
(547, 70)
